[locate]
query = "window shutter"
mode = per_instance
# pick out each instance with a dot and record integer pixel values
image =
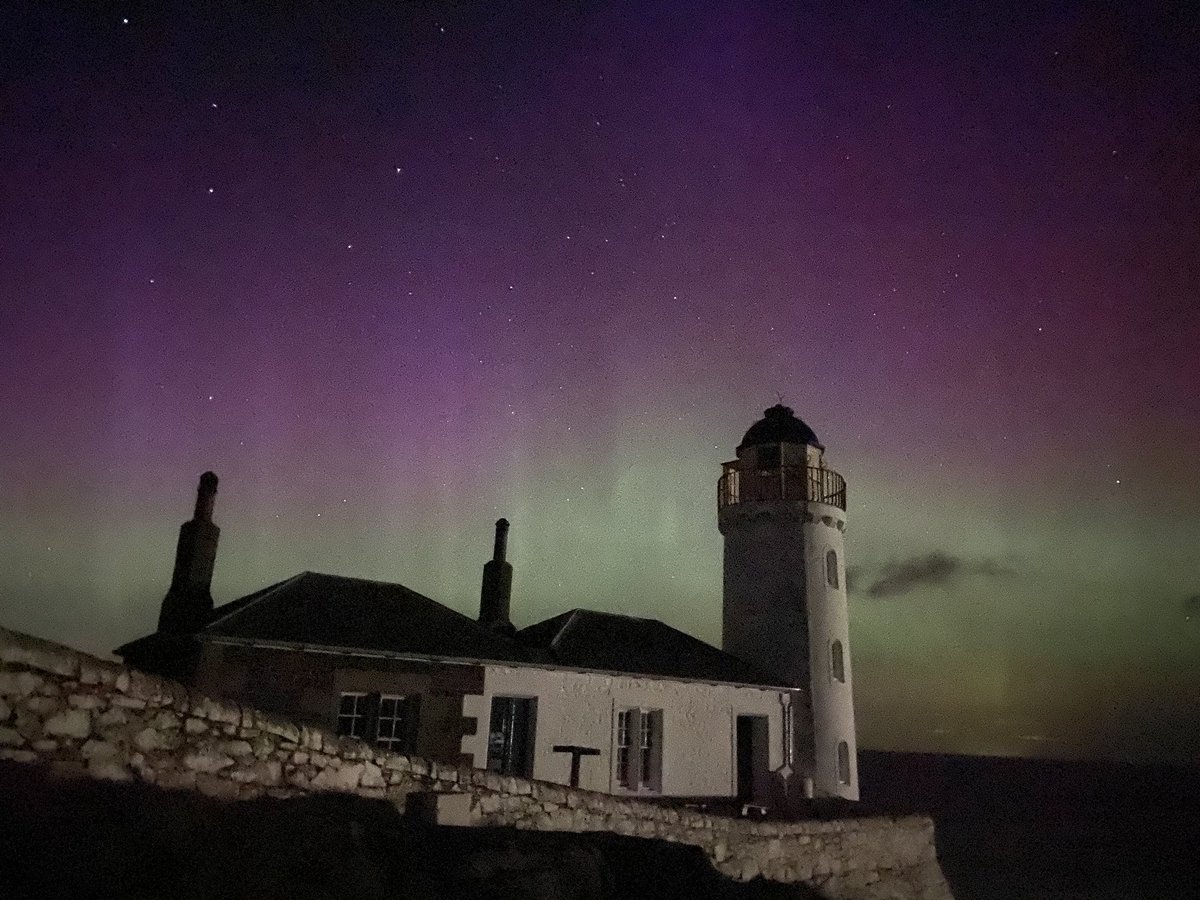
(656, 750)
(412, 722)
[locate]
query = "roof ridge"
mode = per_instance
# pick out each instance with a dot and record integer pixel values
(571, 615)
(266, 592)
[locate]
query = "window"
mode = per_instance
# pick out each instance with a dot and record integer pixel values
(831, 568)
(843, 762)
(392, 731)
(623, 772)
(837, 662)
(639, 749)
(352, 715)
(388, 719)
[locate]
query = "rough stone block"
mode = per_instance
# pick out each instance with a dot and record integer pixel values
(126, 702)
(749, 870)
(262, 746)
(111, 717)
(394, 761)
(94, 671)
(312, 738)
(269, 771)
(85, 701)
(218, 788)
(22, 756)
(150, 739)
(281, 729)
(344, 779)
(195, 726)
(75, 723)
(22, 650)
(20, 684)
(29, 725)
(166, 720)
(206, 759)
(10, 737)
(372, 776)
(148, 687)
(108, 769)
(238, 748)
(225, 713)
(45, 745)
(97, 749)
(43, 706)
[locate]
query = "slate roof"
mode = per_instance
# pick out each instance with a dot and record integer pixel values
(586, 639)
(336, 612)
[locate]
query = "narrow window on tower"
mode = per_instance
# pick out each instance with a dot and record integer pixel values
(837, 662)
(843, 762)
(831, 568)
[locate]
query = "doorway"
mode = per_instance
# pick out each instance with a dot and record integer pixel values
(752, 759)
(510, 736)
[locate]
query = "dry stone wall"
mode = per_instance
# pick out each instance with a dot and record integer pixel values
(80, 715)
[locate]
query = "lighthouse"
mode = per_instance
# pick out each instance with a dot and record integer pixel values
(782, 512)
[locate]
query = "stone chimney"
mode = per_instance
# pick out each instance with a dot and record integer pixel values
(189, 604)
(496, 596)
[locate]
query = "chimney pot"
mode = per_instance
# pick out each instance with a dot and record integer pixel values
(496, 594)
(501, 546)
(206, 497)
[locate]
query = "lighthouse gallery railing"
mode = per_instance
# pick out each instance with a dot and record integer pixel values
(810, 483)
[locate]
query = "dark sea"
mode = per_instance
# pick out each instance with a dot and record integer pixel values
(1024, 829)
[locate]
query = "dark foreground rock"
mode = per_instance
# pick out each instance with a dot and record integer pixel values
(82, 838)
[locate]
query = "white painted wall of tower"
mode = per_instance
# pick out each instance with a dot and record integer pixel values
(829, 622)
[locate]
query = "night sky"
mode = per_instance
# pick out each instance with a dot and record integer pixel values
(394, 274)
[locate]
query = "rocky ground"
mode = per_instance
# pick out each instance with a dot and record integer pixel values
(82, 838)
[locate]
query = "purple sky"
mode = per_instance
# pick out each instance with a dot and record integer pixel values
(392, 274)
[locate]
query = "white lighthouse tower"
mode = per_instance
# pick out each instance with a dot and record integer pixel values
(782, 512)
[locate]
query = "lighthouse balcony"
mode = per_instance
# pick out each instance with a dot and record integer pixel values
(811, 483)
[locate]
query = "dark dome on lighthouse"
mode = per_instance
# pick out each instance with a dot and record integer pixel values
(779, 425)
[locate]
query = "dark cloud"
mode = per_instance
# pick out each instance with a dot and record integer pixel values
(932, 569)
(853, 574)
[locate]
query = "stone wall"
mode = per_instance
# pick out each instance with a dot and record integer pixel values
(79, 715)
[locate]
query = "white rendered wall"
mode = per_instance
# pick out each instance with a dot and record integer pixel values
(781, 614)
(829, 621)
(698, 740)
